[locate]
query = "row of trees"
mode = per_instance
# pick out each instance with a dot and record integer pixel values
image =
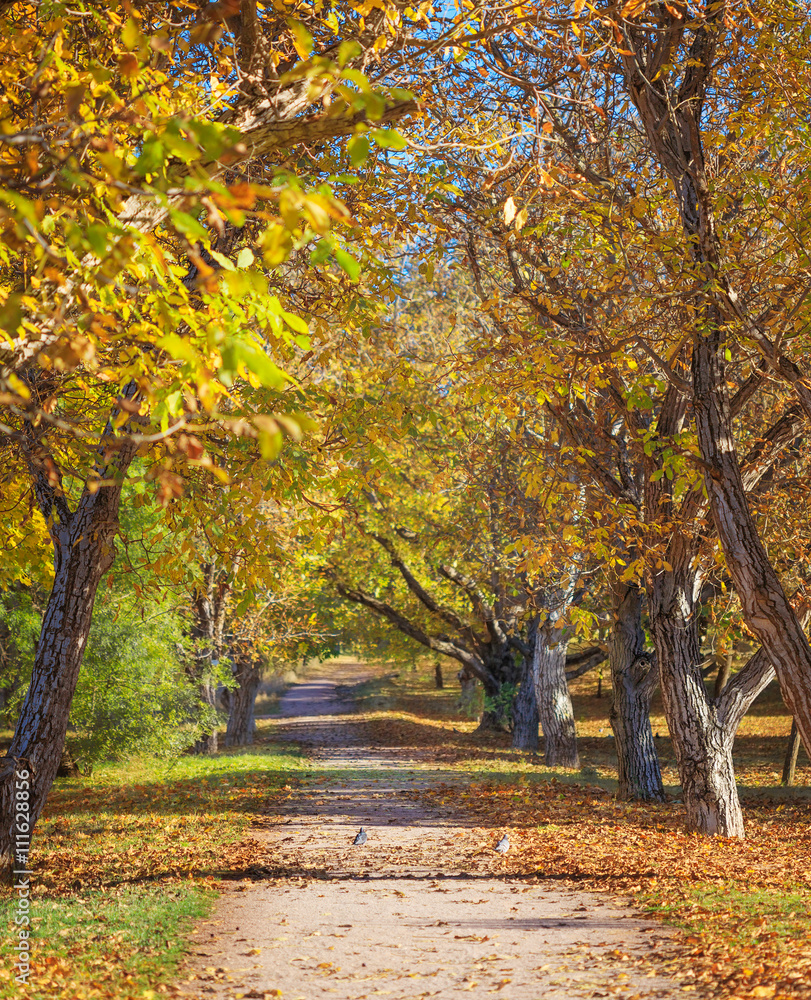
(540, 350)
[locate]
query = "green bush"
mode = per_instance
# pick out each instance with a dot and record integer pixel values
(133, 695)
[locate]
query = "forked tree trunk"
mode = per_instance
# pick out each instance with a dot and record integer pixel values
(674, 132)
(241, 725)
(525, 706)
(703, 747)
(633, 680)
(765, 605)
(555, 709)
(83, 552)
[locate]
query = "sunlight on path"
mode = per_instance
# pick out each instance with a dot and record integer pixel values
(424, 909)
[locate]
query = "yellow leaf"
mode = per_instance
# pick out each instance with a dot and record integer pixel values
(510, 211)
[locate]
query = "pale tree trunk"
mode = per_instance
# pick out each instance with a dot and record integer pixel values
(555, 709)
(525, 706)
(467, 683)
(208, 740)
(210, 611)
(633, 680)
(241, 700)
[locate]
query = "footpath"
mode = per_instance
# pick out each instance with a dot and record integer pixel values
(402, 917)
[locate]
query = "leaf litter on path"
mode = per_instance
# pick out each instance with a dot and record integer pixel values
(425, 908)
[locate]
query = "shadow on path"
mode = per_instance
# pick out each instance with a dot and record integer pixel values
(426, 908)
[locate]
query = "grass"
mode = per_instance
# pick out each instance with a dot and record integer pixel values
(410, 698)
(121, 943)
(747, 916)
(125, 861)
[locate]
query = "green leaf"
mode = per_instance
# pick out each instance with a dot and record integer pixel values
(178, 348)
(302, 39)
(358, 149)
(347, 263)
(131, 34)
(222, 260)
(348, 50)
(151, 159)
(388, 138)
(296, 323)
(96, 236)
(238, 352)
(187, 225)
(323, 249)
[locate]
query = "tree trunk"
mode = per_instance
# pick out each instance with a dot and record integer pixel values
(208, 741)
(210, 610)
(554, 701)
(723, 675)
(633, 681)
(703, 748)
(765, 605)
(241, 725)
(83, 552)
(525, 706)
(467, 696)
(438, 680)
(674, 133)
(792, 750)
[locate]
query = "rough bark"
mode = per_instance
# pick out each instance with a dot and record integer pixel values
(208, 740)
(467, 683)
(580, 663)
(241, 700)
(633, 680)
(765, 605)
(723, 675)
(672, 122)
(83, 544)
(439, 681)
(83, 552)
(525, 706)
(555, 709)
(703, 747)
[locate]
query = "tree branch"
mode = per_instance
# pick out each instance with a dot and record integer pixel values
(580, 663)
(416, 588)
(754, 677)
(434, 643)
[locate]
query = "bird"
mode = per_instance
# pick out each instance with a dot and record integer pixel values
(503, 845)
(360, 838)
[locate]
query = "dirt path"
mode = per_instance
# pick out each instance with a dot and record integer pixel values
(403, 917)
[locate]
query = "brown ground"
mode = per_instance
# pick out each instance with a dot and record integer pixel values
(426, 908)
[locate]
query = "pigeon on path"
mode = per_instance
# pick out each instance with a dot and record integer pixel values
(503, 845)
(360, 838)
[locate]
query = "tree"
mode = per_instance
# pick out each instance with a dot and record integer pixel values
(568, 233)
(133, 147)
